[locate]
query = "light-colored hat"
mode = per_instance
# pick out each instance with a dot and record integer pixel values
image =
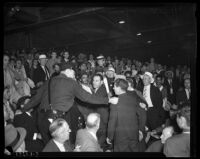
(120, 77)
(111, 69)
(100, 57)
(42, 56)
(150, 75)
(14, 136)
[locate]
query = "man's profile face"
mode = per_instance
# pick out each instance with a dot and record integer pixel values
(117, 90)
(65, 132)
(101, 62)
(166, 133)
(96, 82)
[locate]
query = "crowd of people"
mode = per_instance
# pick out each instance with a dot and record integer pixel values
(58, 102)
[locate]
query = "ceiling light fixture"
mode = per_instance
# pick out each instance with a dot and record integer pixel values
(138, 34)
(121, 22)
(149, 41)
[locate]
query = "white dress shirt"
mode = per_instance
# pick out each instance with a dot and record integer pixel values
(60, 146)
(46, 72)
(146, 95)
(187, 93)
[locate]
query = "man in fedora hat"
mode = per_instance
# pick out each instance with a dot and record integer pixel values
(41, 74)
(14, 138)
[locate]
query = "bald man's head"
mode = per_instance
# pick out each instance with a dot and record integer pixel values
(166, 133)
(93, 120)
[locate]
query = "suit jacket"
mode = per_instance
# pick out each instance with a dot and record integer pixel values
(29, 123)
(39, 75)
(171, 97)
(123, 126)
(52, 147)
(156, 146)
(87, 142)
(138, 85)
(181, 97)
(178, 146)
(63, 91)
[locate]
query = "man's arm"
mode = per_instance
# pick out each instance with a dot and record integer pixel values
(87, 97)
(36, 99)
(112, 122)
(142, 117)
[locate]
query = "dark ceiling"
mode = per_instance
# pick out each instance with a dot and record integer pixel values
(98, 28)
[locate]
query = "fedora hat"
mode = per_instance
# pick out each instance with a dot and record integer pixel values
(150, 75)
(111, 69)
(100, 57)
(42, 56)
(14, 137)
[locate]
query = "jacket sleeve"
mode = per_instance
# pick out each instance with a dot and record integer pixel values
(159, 103)
(142, 117)
(35, 100)
(87, 97)
(112, 122)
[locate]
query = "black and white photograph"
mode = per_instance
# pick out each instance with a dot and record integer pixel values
(94, 79)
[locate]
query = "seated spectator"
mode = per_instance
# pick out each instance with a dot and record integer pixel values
(184, 95)
(157, 146)
(59, 130)
(179, 145)
(87, 138)
(14, 138)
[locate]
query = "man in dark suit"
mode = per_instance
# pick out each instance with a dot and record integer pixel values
(179, 145)
(124, 120)
(137, 82)
(63, 89)
(41, 74)
(100, 91)
(171, 86)
(86, 138)
(153, 97)
(183, 96)
(59, 130)
(27, 120)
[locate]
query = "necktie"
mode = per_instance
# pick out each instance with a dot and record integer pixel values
(47, 75)
(145, 93)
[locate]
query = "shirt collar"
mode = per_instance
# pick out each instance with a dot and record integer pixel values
(60, 146)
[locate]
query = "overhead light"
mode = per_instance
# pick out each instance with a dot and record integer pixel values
(138, 34)
(149, 41)
(121, 22)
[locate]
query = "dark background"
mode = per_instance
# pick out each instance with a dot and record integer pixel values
(95, 29)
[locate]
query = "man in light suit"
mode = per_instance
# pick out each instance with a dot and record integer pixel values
(86, 138)
(59, 130)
